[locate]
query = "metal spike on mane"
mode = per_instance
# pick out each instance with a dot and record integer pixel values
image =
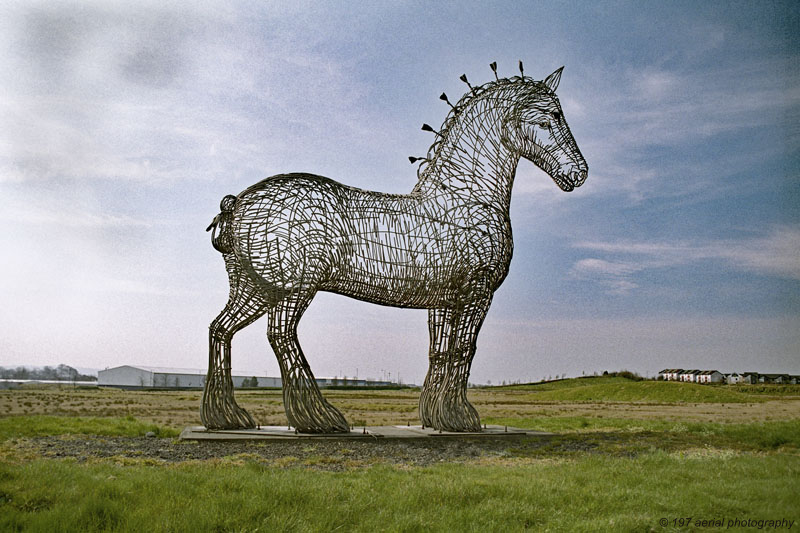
(493, 66)
(463, 78)
(443, 96)
(521, 69)
(426, 127)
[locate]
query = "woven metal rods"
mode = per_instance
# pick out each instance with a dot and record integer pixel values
(446, 247)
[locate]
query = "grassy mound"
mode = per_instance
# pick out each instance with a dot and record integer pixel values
(618, 389)
(569, 383)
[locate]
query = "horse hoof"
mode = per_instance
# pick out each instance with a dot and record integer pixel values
(450, 412)
(326, 419)
(231, 416)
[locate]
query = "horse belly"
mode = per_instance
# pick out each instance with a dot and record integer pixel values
(395, 287)
(395, 266)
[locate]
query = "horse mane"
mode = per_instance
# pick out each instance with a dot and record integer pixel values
(467, 100)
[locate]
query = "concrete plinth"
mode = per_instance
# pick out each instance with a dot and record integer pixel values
(368, 432)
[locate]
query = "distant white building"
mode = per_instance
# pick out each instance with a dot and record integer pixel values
(670, 374)
(733, 378)
(749, 378)
(774, 378)
(139, 377)
(147, 377)
(709, 376)
(689, 376)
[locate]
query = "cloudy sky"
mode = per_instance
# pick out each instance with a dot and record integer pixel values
(122, 125)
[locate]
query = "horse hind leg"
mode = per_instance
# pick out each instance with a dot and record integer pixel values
(306, 408)
(219, 408)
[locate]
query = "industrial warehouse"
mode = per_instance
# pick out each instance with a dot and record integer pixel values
(150, 377)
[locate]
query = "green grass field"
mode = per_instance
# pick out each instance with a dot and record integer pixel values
(589, 494)
(41, 425)
(626, 455)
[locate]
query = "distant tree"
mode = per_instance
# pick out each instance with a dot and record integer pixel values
(627, 374)
(61, 372)
(250, 382)
(66, 373)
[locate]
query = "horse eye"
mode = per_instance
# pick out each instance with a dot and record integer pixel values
(545, 125)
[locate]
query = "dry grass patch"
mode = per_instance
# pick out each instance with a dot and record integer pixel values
(178, 409)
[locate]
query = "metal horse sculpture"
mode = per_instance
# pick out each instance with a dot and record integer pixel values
(445, 247)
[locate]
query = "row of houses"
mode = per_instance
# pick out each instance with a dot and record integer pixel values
(147, 377)
(715, 376)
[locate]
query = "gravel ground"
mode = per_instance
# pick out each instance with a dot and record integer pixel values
(322, 454)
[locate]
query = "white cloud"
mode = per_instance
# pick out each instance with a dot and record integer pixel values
(163, 93)
(72, 218)
(775, 254)
(629, 114)
(613, 275)
(63, 209)
(602, 267)
(121, 286)
(657, 84)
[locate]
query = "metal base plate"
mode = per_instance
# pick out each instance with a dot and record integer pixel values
(369, 432)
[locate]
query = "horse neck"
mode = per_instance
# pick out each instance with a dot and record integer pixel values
(471, 161)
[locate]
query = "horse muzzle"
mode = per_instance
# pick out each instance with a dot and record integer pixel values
(578, 176)
(568, 181)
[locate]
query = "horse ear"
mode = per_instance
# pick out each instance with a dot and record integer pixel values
(553, 79)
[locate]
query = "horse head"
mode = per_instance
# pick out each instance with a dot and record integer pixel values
(535, 128)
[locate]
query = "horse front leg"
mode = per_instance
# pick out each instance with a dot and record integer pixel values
(440, 330)
(306, 408)
(443, 402)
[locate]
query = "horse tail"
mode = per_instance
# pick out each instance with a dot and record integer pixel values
(223, 240)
